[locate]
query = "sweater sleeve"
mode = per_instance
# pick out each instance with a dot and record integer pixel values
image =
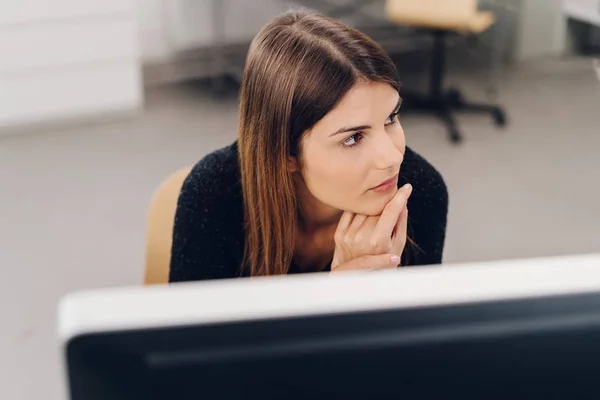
(427, 210)
(206, 234)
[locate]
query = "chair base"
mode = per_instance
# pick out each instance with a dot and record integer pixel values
(442, 103)
(443, 106)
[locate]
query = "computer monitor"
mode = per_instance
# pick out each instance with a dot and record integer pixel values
(512, 329)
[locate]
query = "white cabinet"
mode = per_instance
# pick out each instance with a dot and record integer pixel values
(67, 59)
(65, 44)
(583, 10)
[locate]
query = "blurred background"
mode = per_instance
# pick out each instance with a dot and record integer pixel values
(102, 100)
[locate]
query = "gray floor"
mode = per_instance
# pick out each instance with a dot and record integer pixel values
(73, 202)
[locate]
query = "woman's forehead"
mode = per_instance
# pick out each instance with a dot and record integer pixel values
(359, 106)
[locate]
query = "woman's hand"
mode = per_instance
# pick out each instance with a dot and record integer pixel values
(372, 242)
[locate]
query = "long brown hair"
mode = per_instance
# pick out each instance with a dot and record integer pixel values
(298, 68)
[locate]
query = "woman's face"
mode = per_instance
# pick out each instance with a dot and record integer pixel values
(357, 146)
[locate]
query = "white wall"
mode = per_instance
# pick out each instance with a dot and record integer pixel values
(542, 29)
(153, 30)
(170, 26)
(66, 59)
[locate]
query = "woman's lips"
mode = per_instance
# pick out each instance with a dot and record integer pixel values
(386, 185)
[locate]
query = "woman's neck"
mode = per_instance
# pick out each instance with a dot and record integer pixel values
(317, 223)
(314, 216)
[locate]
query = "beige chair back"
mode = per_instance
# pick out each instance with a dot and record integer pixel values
(440, 14)
(159, 234)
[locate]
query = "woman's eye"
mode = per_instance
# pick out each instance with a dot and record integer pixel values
(392, 118)
(353, 140)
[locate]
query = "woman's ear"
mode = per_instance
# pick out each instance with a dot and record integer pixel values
(292, 164)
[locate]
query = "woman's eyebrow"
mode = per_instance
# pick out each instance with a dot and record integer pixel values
(398, 105)
(363, 127)
(354, 128)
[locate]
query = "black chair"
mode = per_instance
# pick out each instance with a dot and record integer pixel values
(443, 103)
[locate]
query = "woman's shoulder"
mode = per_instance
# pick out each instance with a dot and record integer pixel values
(425, 178)
(427, 208)
(215, 171)
(208, 235)
(212, 192)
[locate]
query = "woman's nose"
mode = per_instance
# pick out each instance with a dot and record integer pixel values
(387, 155)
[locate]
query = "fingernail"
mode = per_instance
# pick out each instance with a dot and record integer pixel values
(408, 186)
(396, 259)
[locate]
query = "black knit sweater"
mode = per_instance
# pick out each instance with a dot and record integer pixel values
(208, 237)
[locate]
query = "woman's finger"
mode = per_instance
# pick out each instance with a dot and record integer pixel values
(344, 223)
(356, 224)
(401, 226)
(400, 237)
(391, 212)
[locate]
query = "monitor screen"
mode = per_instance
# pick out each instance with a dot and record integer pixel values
(545, 345)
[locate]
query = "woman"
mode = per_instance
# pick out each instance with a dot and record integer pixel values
(312, 182)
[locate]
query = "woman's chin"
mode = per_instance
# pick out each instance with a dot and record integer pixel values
(371, 206)
(376, 206)
(372, 210)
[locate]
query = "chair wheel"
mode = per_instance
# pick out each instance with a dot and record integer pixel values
(499, 117)
(455, 137)
(455, 97)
